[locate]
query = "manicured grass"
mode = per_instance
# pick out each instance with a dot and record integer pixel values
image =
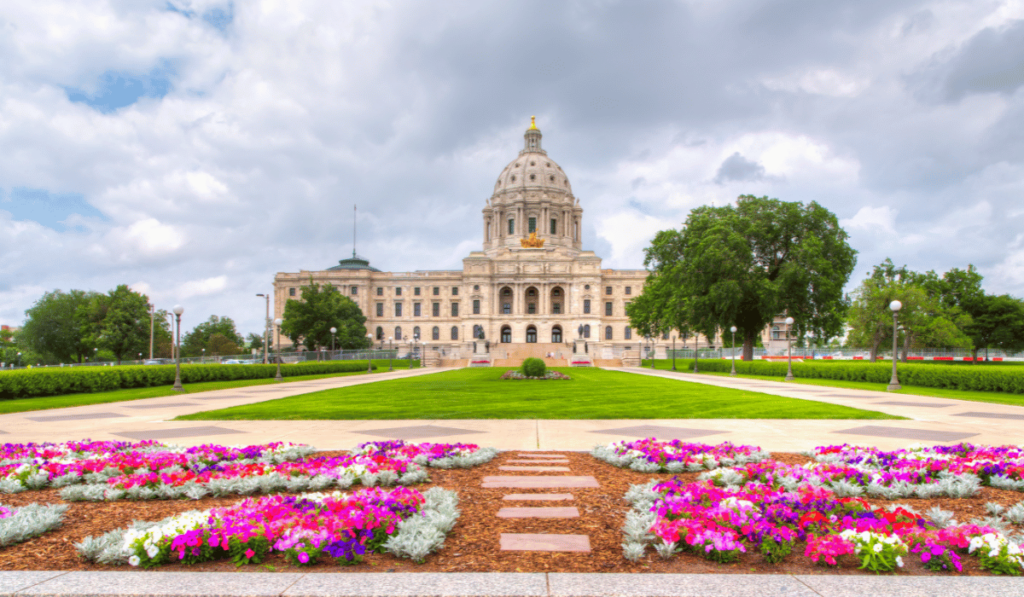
(69, 400)
(991, 397)
(479, 393)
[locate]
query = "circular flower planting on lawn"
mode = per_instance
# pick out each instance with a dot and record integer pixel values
(515, 374)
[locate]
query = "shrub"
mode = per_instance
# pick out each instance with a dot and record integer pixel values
(76, 380)
(534, 368)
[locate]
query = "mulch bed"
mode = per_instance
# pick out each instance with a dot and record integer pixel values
(473, 545)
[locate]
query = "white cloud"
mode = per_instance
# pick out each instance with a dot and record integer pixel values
(204, 287)
(877, 220)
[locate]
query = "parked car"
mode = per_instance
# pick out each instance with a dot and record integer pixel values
(157, 362)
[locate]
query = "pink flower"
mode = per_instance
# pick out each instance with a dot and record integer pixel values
(250, 553)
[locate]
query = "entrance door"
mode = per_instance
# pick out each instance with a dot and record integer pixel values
(506, 335)
(556, 335)
(531, 335)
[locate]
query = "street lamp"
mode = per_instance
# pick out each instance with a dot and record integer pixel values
(789, 343)
(333, 331)
(19, 359)
(266, 328)
(894, 383)
(391, 353)
(278, 322)
(696, 354)
(140, 357)
(202, 357)
(369, 354)
(733, 330)
(178, 310)
(673, 352)
(652, 350)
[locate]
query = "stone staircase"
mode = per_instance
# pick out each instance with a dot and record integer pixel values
(513, 355)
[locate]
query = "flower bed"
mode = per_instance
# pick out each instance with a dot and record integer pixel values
(674, 456)
(58, 465)
(307, 528)
(721, 523)
(549, 374)
(21, 524)
(456, 455)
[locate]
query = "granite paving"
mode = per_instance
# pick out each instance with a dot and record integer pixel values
(983, 415)
(544, 542)
(538, 482)
(536, 469)
(80, 417)
(173, 432)
(538, 497)
(417, 432)
(659, 431)
(538, 512)
(907, 433)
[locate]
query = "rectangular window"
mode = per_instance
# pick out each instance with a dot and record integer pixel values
(380, 291)
(416, 291)
(531, 308)
(436, 309)
(586, 306)
(455, 309)
(476, 306)
(511, 226)
(416, 308)
(380, 309)
(554, 226)
(398, 292)
(556, 308)
(532, 222)
(354, 290)
(291, 292)
(629, 333)
(398, 309)
(608, 309)
(607, 289)
(437, 291)
(455, 291)
(506, 308)
(629, 290)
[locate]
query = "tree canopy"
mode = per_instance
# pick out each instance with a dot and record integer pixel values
(743, 265)
(228, 342)
(309, 321)
(57, 326)
(119, 322)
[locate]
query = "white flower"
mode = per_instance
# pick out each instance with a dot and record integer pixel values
(899, 561)
(877, 547)
(151, 551)
(134, 560)
(994, 553)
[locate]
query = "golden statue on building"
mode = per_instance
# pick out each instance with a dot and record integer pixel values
(533, 242)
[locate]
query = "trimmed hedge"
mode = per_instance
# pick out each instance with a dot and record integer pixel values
(76, 380)
(980, 379)
(534, 367)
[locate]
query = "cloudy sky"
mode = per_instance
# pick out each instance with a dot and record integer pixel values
(193, 148)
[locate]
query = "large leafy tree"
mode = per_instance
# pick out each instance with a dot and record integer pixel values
(201, 336)
(996, 322)
(119, 322)
(309, 321)
(742, 265)
(56, 326)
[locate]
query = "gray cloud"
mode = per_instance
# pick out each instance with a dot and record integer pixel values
(737, 168)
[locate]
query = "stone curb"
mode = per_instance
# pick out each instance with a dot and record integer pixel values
(256, 584)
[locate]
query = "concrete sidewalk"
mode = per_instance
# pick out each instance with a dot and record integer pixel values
(932, 421)
(321, 584)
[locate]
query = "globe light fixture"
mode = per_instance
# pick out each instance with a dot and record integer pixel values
(733, 372)
(369, 355)
(894, 383)
(789, 342)
(333, 332)
(178, 310)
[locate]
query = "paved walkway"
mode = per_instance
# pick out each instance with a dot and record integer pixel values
(535, 584)
(932, 420)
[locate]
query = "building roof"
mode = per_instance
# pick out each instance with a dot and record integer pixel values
(353, 262)
(533, 169)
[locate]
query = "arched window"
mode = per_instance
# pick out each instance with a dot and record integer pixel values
(608, 332)
(398, 332)
(455, 332)
(531, 335)
(556, 334)
(380, 333)
(416, 333)
(628, 334)
(506, 335)
(435, 334)
(586, 331)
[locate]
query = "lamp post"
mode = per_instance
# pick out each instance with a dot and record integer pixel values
(673, 352)
(696, 355)
(733, 372)
(333, 332)
(178, 310)
(202, 357)
(369, 354)
(789, 349)
(278, 323)
(391, 352)
(894, 383)
(19, 360)
(266, 328)
(652, 351)
(152, 328)
(140, 357)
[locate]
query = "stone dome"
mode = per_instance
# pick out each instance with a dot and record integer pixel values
(532, 170)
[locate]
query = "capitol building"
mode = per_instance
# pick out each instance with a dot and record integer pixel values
(532, 291)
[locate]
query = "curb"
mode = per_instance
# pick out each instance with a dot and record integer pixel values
(486, 584)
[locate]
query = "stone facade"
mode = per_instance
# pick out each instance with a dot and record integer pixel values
(511, 292)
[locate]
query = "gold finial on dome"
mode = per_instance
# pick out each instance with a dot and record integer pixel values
(533, 123)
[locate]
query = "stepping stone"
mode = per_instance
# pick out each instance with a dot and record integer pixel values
(537, 497)
(538, 513)
(536, 462)
(536, 469)
(544, 542)
(538, 482)
(537, 455)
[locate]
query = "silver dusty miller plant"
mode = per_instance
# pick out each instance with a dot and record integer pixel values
(30, 521)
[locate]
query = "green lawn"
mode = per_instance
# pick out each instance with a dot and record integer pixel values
(992, 397)
(68, 400)
(478, 393)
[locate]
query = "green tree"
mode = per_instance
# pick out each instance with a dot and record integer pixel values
(193, 343)
(119, 321)
(309, 321)
(55, 326)
(221, 345)
(255, 341)
(742, 265)
(996, 322)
